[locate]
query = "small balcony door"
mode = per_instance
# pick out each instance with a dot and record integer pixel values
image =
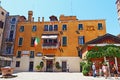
(11, 35)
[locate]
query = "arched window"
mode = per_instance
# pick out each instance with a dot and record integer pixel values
(13, 20)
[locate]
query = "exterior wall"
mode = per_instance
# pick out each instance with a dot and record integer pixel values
(7, 40)
(72, 36)
(2, 18)
(118, 9)
(73, 62)
(118, 6)
(24, 64)
(61, 53)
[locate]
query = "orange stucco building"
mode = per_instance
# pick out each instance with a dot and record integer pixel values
(59, 41)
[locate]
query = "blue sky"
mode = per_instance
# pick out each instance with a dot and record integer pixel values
(83, 9)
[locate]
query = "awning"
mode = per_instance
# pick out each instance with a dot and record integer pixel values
(48, 58)
(49, 36)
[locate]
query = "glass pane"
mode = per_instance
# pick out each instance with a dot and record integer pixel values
(64, 41)
(55, 27)
(80, 27)
(50, 28)
(45, 27)
(64, 27)
(20, 41)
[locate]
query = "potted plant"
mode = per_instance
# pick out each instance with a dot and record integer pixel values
(86, 68)
(85, 72)
(57, 65)
(41, 65)
(38, 67)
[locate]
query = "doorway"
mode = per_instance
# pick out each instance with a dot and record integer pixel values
(49, 65)
(31, 66)
(64, 66)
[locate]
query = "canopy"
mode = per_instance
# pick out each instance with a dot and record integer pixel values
(49, 36)
(48, 58)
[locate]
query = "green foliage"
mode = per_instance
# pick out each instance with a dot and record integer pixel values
(57, 65)
(82, 63)
(38, 67)
(41, 64)
(107, 51)
(85, 72)
(86, 67)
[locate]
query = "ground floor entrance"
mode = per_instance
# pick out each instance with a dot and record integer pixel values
(31, 66)
(49, 65)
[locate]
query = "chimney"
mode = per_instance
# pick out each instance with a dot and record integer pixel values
(30, 14)
(38, 19)
(42, 19)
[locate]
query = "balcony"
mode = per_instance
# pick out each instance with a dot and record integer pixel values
(8, 40)
(50, 45)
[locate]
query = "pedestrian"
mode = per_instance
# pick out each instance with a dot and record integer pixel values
(94, 70)
(100, 72)
(105, 70)
(115, 71)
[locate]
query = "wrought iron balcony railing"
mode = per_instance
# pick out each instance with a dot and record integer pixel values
(9, 40)
(50, 45)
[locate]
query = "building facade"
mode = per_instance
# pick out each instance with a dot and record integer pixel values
(3, 14)
(54, 41)
(118, 9)
(8, 39)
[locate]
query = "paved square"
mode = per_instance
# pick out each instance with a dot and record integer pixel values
(53, 76)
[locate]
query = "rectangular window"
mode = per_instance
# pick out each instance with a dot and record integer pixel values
(18, 54)
(12, 27)
(21, 28)
(64, 27)
(20, 41)
(1, 24)
(81, 40)
(34, 28)
(17, 63)
(100, 27)
(8, 49)
(55, 27)
(32, 41)
(45, 27)
(31, 54)
(50, 28)
(80, 27)
(11, 35)
(6, 63)
(64, 41)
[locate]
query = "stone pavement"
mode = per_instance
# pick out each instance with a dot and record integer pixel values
(54, 76)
